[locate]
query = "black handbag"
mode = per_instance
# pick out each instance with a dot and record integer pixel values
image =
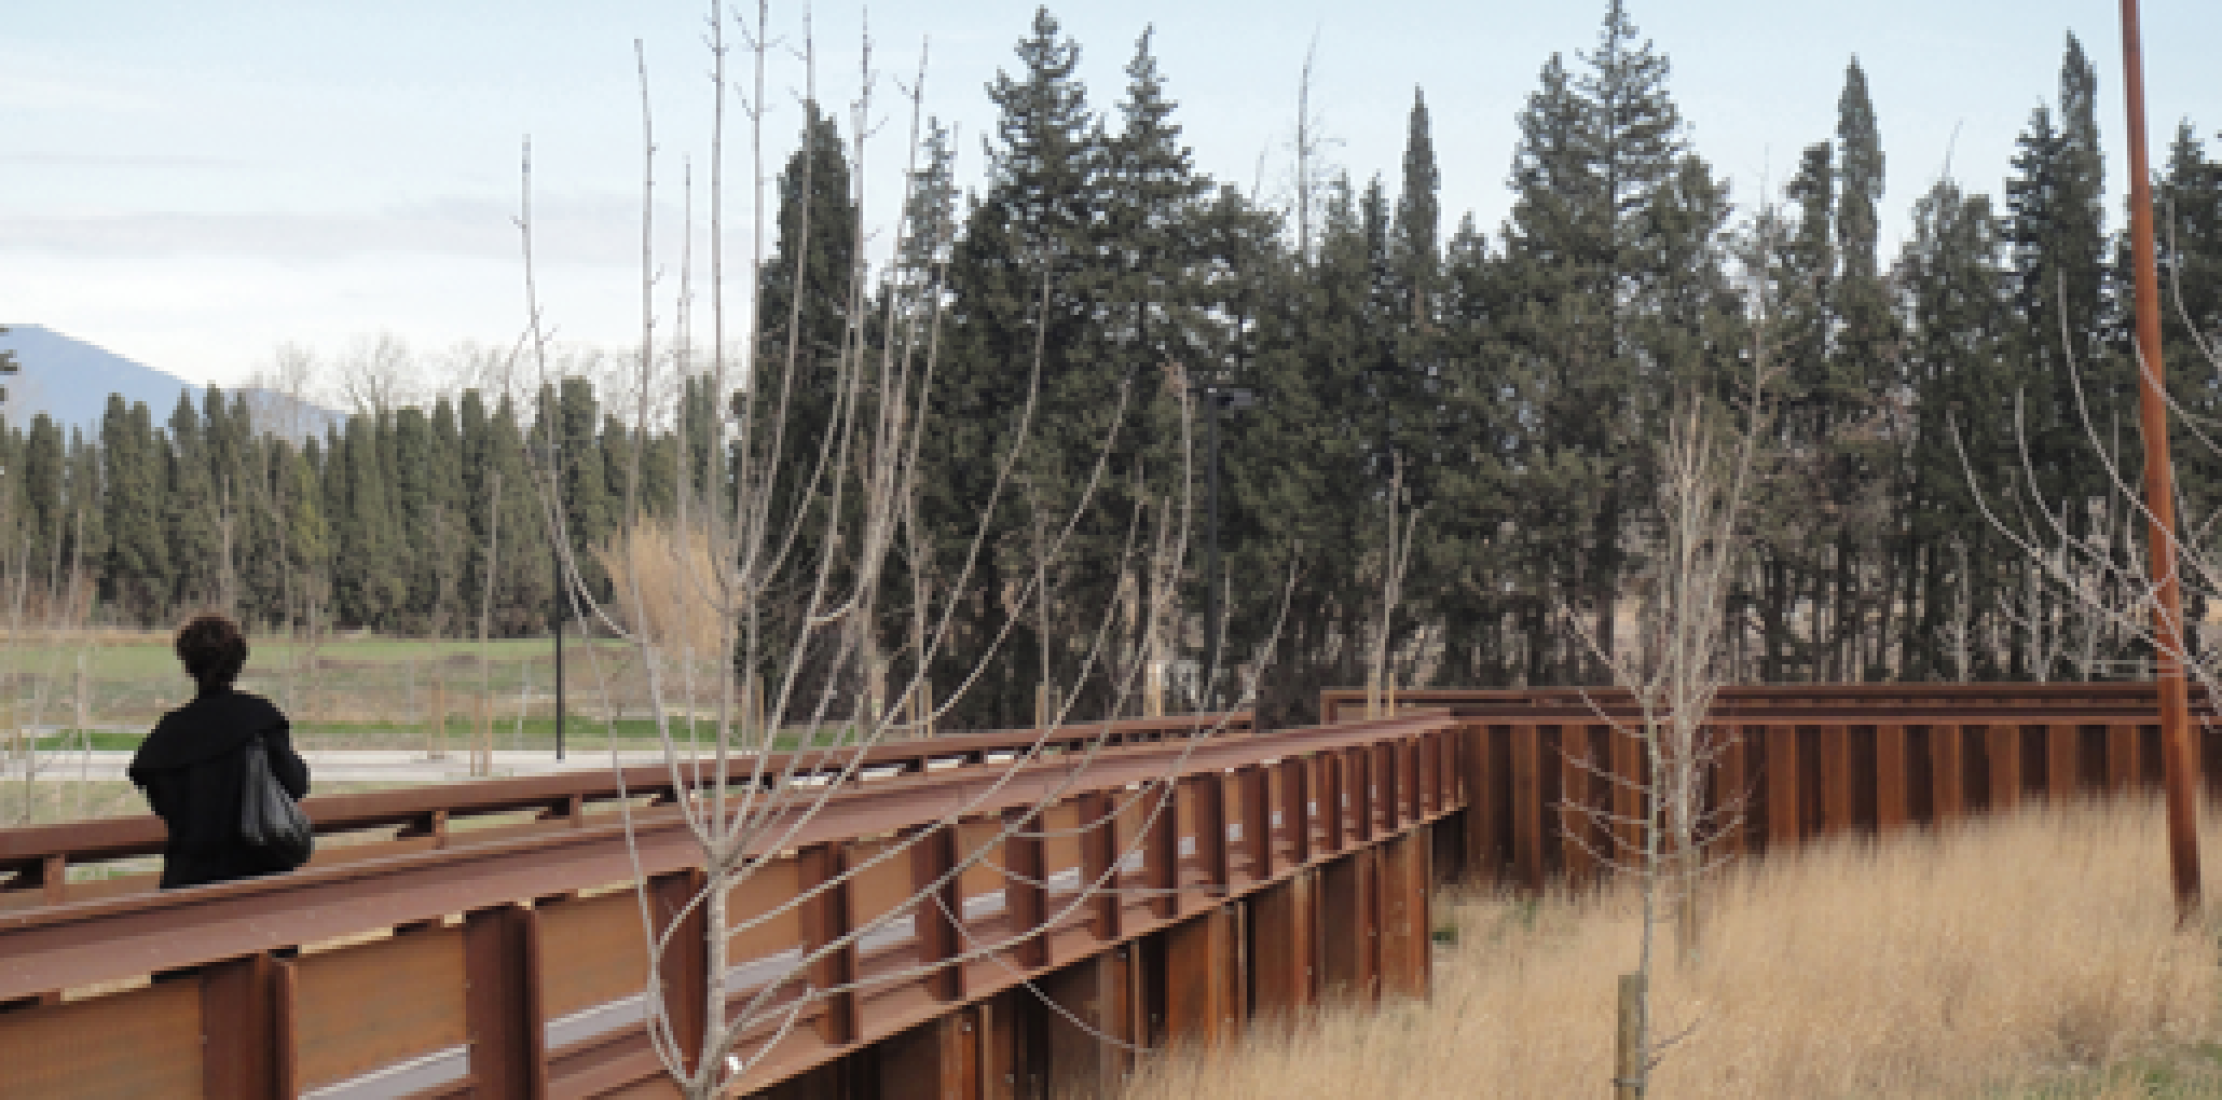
(269, 819)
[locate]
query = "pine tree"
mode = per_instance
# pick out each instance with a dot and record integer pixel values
(1608, 211)
(1953, 294)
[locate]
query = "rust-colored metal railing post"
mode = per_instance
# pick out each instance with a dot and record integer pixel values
(2179, 757)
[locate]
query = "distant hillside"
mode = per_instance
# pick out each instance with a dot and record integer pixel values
(70, 380)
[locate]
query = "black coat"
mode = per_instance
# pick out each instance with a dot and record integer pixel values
(192, 768)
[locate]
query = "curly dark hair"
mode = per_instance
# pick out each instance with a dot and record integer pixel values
(213, 650)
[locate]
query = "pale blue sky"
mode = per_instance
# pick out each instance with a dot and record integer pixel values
(192, 185)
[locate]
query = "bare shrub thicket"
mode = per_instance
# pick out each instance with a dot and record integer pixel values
(781, 561)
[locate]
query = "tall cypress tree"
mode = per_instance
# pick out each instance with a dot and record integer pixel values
(190, 509)
(139, 562)
(2055, 234)
(1022, 278)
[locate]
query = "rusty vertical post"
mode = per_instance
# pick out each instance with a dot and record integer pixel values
(1527, 805)
(1026, 886)
(2063, 758)
(1099, 858)
(2179, 758)
(933, 863)
(825, 924)
(1783, 812)
(1893, 804)
(685, 965)
(2002, 746)
(239, 1028)
(501, 960)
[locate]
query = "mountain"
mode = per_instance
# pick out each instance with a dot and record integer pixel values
(70, 380)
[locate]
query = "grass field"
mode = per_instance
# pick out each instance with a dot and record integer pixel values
(126, 680)
(2033, 956)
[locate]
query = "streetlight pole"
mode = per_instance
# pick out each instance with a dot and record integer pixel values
(2179, 757)
(1211, 553)
(554, 453)
(1231, 398)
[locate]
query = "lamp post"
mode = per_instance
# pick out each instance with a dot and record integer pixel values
(1218, 396)
(552, 452)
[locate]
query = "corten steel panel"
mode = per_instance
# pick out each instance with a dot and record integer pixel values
(1389, 786)
(502, 1002)
(1921, 778)
(1332, 798)
(1061, 836)
(1207, 831)
(1732, 791)
(1357, 793)
(1349, 927)
(1627, 794)
(761, 911)
(1202, 976)
(1089, 999)
(602, 949)
(1486, 755)
(1947, 751)
(1892, 808)
(1161, 848)
(1785, 816)
(1975, 759)
(362, 1007)
(1837, 814)
(2002, 750)
(1253, 793)
(1283, 929)
(2122, 770)
(1098, 854)
(1403, 887)
(2063, 762)
(979, 840)
(1527, 805)
(144, 1042)
(1291, 799)
(879, 879)
(939, 1060)
(239, 1027)
(1576, 806)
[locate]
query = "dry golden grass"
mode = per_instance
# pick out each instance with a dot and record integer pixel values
(676, 574)
(2031, 955)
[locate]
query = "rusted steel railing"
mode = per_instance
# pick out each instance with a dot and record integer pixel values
(36, 862)
(517, 966)
(1850, 700)
(1541, 789)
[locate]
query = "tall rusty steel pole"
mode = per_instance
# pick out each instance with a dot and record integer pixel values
(2179, 756)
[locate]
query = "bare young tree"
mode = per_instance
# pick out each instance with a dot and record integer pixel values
(1706, 470)
(773, 511)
